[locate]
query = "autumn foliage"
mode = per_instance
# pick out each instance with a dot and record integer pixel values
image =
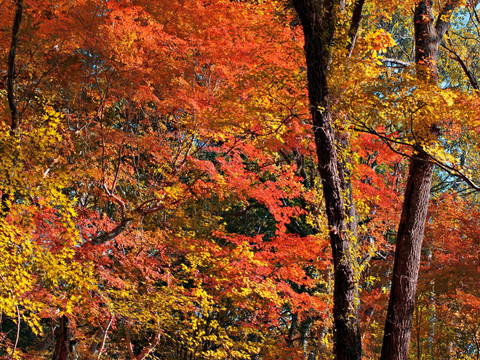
(161, 196)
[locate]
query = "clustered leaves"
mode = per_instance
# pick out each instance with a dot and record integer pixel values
(161, 193)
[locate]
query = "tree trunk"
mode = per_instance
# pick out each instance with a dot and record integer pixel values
(318, 21)
(293, 325)
(398, 324)
(5, 199)
(11, 66)
(407, 259)
(62, 336)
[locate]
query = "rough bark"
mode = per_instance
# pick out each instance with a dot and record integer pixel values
(293, 325)
(318, 21)
(407, 259)
(401, 305)
(429, 35)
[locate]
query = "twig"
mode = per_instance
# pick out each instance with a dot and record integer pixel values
(400, 63)
(104, 338)
(18, 333)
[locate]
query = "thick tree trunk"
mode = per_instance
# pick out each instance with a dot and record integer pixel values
(401, 305)
(318, 21)
(407, 259)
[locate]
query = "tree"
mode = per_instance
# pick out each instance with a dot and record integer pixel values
(318, 22)
(428, 37)
(319, 25)
(161, 158)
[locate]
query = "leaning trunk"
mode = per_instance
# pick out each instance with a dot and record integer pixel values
(407, 259)
(396, 340)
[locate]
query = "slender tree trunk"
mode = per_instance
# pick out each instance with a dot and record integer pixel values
(5, 207)
(354, 25)
(11, 66)
(291, 331)
(398, 325)
(62, 336)
(318, 21)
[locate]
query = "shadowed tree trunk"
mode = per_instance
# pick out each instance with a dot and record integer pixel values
(62, 337)
(318, 20)
(5, 207)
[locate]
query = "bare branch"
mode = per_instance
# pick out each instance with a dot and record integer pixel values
(398, 63)
(453, 171)
(147, 349)
(119, 163)
(467, 72)
(150, 347)
(104, 338)
(129, 341)
(18, 333)
(388, 141)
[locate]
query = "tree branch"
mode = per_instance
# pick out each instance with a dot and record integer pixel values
(104, 338)
(103, 237)
(443, 20)
(150, 346)
(99, 339)
(459, 174)
(455, 172)
(354, 25)
(147, 349)
(397, 62)
(18, 333)
(129, 341)
(467, 72)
